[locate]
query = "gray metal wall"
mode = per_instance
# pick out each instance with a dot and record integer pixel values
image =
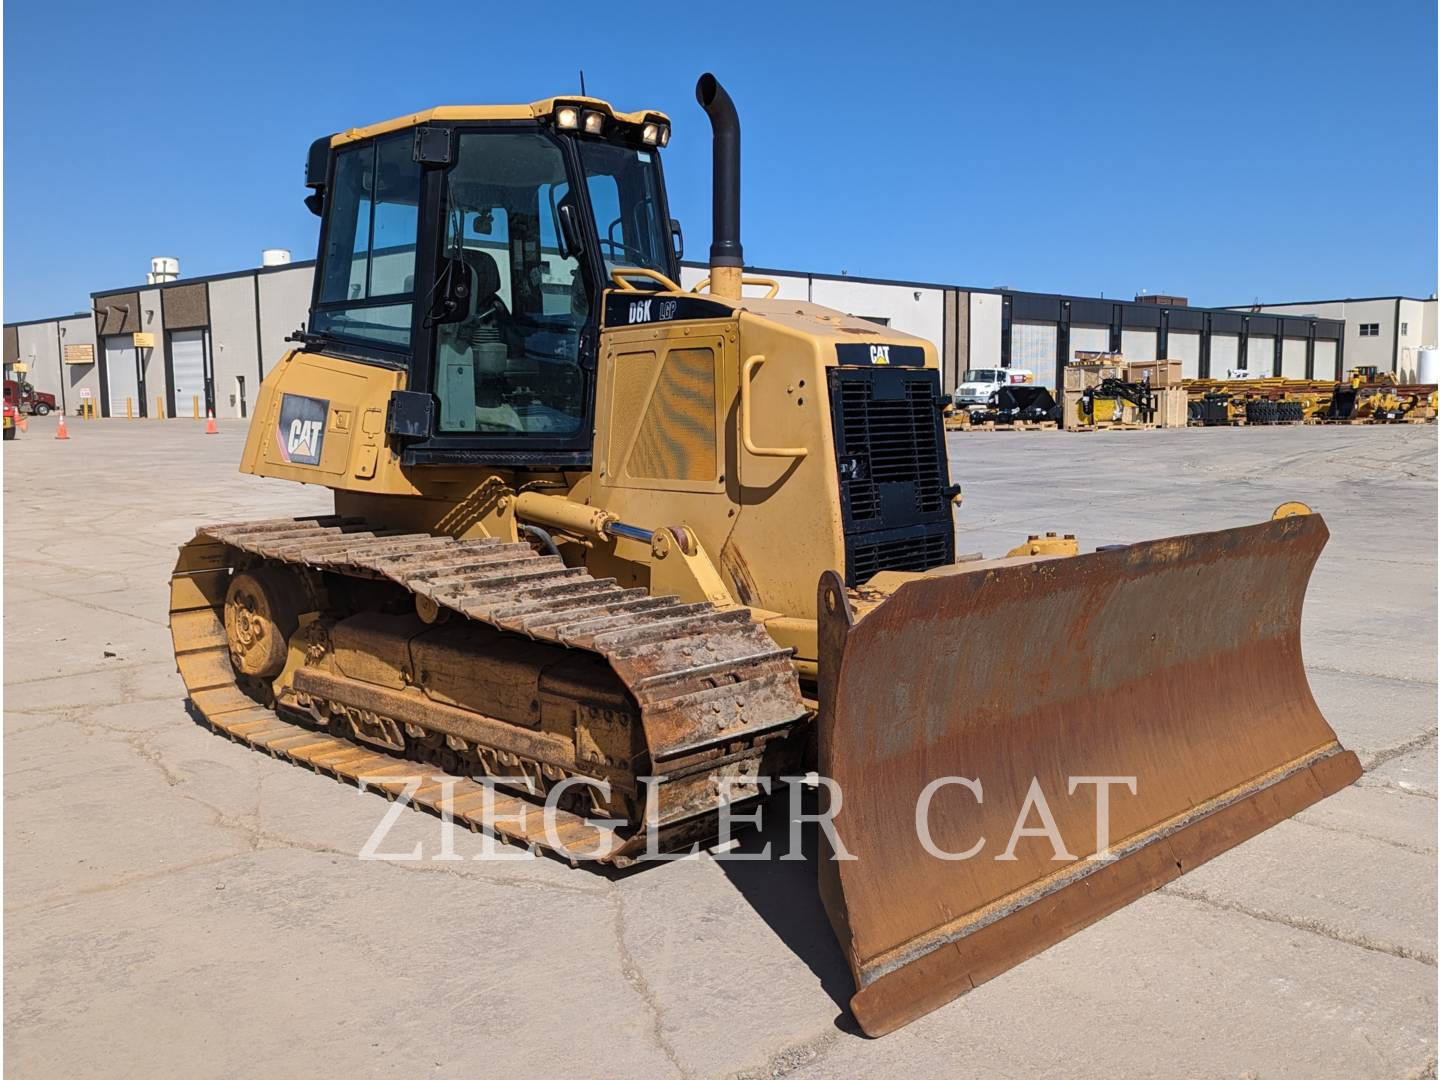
(157, 385)
(80, 330)
(40, 345)
(284, 308)
(39, 348)
(234, 348)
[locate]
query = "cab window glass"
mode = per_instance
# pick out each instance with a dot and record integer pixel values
(624, 187)
(510, 365)
(368, 266)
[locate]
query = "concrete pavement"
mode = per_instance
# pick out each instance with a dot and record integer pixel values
(177, 905)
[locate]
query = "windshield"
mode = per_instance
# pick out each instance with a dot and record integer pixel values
(624, 185)
(983, 375)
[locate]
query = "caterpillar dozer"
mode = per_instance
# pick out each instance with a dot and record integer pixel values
(608, 556)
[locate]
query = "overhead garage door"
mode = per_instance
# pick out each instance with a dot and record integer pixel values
(1032, 345)
(1325, 358)
(1224, 354)
(1260, 356)
(1137, 344)
(1185, 347)
(121, 375)
(1292, 360)
(187, 361)
(1085, 337)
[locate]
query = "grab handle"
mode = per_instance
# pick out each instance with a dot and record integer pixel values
(751, 363)
(621, 276)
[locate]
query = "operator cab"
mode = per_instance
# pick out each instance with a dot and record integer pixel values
(471, 246)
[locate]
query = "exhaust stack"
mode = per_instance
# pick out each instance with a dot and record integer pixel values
(726, 255)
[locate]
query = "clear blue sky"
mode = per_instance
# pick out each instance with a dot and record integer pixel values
(1222, 151)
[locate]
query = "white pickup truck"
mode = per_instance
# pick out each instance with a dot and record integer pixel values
(979, 383)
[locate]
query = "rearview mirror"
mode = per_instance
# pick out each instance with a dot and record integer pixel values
(677, 237)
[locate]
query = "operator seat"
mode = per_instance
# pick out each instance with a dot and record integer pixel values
(473, 355)
(485, 302)
(489, 331)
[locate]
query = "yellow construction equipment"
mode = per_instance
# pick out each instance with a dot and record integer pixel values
(1366, 396)
(609, 556)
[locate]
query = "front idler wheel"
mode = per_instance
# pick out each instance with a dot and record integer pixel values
(260, 615)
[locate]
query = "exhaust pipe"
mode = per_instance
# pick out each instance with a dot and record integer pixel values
(726, 255)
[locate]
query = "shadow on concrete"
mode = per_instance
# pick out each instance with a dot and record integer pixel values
(786, 894)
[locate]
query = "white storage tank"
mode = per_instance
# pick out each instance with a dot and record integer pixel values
(275, 257)
(1427, 366)
(162, 269)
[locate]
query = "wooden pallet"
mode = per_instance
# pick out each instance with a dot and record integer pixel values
(1019, 425)
(1115, 427)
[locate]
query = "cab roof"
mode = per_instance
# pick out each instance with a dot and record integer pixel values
(536, 110)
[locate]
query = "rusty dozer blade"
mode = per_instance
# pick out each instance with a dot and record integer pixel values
(1175, 662)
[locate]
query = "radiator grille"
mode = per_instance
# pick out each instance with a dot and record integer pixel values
(890, 455)
(919, 552)
(899, 441)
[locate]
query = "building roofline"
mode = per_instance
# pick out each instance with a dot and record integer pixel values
(206, 278)
(1332, 300)
(816, 275)
(52, 318)
(994, 289)
(900, 282)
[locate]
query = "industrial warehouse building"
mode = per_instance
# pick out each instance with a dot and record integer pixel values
(1386, 332)
(211, 341)
(205, 343)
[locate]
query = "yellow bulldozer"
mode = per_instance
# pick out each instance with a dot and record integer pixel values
(609, 557)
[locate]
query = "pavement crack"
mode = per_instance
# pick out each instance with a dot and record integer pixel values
(1391, 785)
(251, 826)
(1414, 849)
(634, 974)
(1384, 676)
(1295, 922)
(99, 669)
(1390, 753)
(122, 882)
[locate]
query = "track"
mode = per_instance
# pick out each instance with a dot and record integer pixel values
(715, 695)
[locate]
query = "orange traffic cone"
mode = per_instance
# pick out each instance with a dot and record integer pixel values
(211, 428)
(22, 423)
(60, 432)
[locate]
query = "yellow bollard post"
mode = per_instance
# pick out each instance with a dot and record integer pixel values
(129, 409)
(159, 407)
(195, 401)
